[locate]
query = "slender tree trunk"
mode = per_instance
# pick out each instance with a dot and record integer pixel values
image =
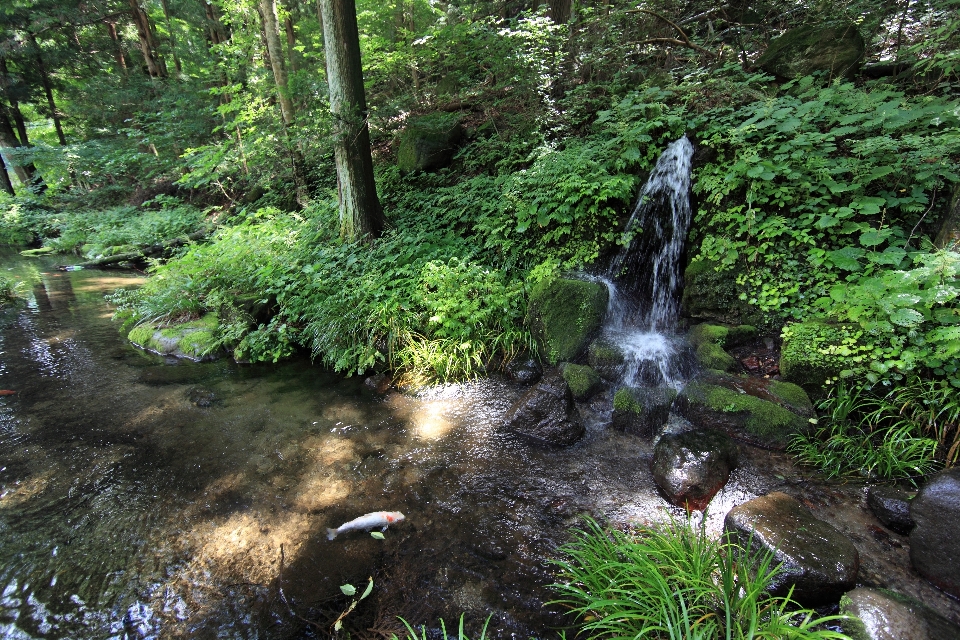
(216, 33)
(14, 105)
(117, 47)
(156, 67)
(173, 38)
(5, 177)
(271, 32)
(27, 173)
(48, 89)
(291, 34)
(360, 212)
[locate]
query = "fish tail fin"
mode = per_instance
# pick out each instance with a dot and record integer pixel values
(331, 534)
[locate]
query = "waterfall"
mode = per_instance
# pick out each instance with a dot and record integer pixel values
(644, 278)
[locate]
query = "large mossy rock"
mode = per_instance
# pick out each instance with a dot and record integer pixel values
(607, 358)
(713, 296)
(879, 614)
(836, 49)
(583, 381)
(759, 411)
(935, 540)
(816, 559)
(814, 352)
(429, 142)
(565, 315)
(710, 341)
(195, 340)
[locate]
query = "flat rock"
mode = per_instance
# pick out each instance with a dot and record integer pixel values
(691, 467)
(545, 414)
(886, 615)
(935, 541)
(891, 505)
(817, 560)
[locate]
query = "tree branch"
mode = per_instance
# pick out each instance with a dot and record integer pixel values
(685, 42)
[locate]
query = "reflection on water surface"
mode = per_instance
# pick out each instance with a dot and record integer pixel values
(141, 498)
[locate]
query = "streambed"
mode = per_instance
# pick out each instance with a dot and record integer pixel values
(144, 498)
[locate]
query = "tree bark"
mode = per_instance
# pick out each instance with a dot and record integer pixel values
(560, 10)
(14, 105)
(156, 67)
(5, 177)
(48, 89)
(117, 46)
(291, 41)
(27, 173)
(173, 38)
(216, 34)
(271, 32)
(360, 213)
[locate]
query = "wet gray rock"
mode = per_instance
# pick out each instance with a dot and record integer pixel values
(642, 411)
(691, 467)
(606, 358)
(546, 414)
(886, 615)
(524, 370)
(379, 383)
(935, 541)
(202, 397)
(891, 505)
(819, 561)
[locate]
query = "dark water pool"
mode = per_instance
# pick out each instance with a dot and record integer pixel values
(143, 498)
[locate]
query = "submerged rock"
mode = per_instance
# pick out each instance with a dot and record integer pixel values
(879, 614)
(935, 541)
(691, 467)
(642, 411)
(195, 340)
(819, 561)
(546, 414)
(836, 49)
(583, 381)
(565, 315)
(891, 505)
(757, 410)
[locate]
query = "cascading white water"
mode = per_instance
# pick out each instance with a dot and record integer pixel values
(644, 279)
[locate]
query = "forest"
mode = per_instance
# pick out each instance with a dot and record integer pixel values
(382, 185)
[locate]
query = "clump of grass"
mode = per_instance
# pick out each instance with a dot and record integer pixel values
(11, 289)
(907, 433)
(422, 634)
(673, 582)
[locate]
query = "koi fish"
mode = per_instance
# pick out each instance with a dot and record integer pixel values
(366, 522)
(7, 392)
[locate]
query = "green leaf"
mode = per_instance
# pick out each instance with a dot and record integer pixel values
(846, 258)
(376, 534)
(369, 588)
(348, 589)
(906, 317)
(874, 237)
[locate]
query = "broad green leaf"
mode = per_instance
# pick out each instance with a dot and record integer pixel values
(906, 317)
(874, 237)
(846, 258)
(348, 589)
(376, 535)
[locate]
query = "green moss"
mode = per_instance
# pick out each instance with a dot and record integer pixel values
(564, 315)
(765, 418)
(141, 335)
(582, 380)
(712, 356)
(741, 334)
(195, 339)
(429, 142)
(835, 48)
(793, 395)
(625, 400)
(708, 333)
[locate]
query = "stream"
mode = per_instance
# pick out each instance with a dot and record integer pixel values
(147, 498)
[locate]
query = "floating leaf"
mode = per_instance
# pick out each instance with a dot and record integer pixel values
(348, 589)
(376, 534)
(369, 588)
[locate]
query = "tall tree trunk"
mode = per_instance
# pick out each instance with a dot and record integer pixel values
(360, 212)
(117, 46)
(5, 177)
(48, 89)
(291, 39)
(27, 173)
(271, 32)
(216, 33)
(173, 38)
(560, 10)
(156, 67)
(14, 105)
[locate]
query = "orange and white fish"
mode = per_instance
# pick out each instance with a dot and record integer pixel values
(366, 522)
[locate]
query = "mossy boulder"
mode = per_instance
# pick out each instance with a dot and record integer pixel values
(710, 340)
(606, 358)
(195, 340)
(759, 411)
(429, 142)
(642, 411)
(815, 352)
(565, 315)
(712, 295)
(583, 381)
(836, 49)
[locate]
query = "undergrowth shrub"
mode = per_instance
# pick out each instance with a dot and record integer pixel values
(674, 582)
